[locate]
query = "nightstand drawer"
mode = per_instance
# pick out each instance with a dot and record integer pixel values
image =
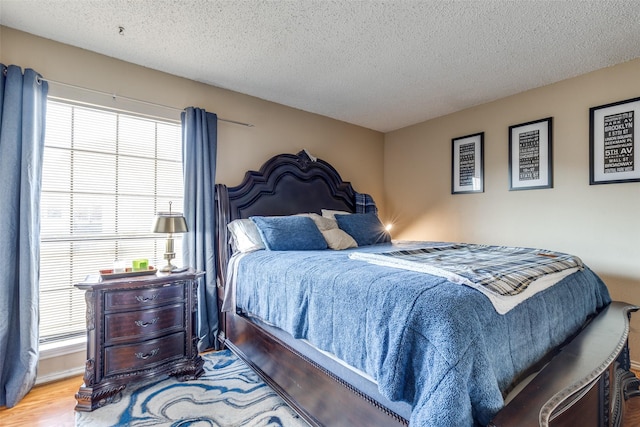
(143, 297)
(149, 323)
(125, 358)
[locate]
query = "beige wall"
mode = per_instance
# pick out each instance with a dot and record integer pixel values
(356, 152)
(599, 223)
(352, 150)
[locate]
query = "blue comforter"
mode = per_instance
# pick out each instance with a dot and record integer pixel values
(436, 345)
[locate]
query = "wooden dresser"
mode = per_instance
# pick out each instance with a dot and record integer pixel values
(138, 328)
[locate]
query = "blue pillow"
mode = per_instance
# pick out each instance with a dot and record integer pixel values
(289, 233)
(366, 229)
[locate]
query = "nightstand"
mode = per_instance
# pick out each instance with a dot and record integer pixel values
(138, 327)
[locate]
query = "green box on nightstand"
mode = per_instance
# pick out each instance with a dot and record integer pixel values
(140, 264)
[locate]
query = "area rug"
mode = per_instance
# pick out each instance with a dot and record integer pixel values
(228, 394)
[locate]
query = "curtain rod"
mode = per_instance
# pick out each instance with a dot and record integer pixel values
(153, 104)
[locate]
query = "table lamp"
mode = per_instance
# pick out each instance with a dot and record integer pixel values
(169, 223)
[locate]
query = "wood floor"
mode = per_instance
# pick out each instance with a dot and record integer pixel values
(53, 405)
(46, 405)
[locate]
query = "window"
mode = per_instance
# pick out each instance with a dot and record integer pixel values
(105, 175)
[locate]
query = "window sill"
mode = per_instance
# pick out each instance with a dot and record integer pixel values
(62, 348)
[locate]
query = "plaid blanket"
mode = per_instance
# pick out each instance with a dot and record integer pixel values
(495, 270)
(365, 203)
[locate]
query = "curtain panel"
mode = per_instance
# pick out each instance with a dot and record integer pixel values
(23, 100)
(199, 148)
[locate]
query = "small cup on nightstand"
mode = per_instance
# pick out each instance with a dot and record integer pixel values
(118, 266)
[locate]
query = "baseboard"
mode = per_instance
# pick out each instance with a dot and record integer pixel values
(60, 375)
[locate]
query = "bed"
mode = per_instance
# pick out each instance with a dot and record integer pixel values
(352, 376)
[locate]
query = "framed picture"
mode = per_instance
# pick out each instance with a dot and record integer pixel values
(467, 169)
(530, 155)
(613, 143)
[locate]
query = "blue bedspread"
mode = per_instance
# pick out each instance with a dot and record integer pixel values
(437, 345)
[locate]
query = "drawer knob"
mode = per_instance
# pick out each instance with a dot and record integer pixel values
(147, 355)
(142, 298)
(144, 324)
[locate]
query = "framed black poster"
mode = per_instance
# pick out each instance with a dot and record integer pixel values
(613, 143)
(530, 155)
(467, 174)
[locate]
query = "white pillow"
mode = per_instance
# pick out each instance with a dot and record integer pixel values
(327, 213)
(245, 236)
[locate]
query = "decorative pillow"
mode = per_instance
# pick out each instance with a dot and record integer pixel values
(245, 236)
(338, 239)
(366, 229)
(327, 213)
(289, 233)
(322, 223)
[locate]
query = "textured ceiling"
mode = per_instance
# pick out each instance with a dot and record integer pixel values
(379, 64)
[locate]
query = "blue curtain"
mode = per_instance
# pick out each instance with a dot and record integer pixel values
(23, 100)
(199, 147)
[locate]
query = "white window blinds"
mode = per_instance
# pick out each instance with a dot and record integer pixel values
(105, 175)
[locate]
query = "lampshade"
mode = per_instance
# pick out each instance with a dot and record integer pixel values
(170, 223)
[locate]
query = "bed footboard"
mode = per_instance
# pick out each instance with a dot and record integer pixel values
(587, 383)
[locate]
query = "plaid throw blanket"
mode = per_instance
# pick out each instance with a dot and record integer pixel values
(365, 203)
(495, 270)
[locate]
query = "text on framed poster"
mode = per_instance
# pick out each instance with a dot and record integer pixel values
(613, 151)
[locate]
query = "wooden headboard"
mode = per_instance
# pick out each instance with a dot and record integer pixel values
(286, 184)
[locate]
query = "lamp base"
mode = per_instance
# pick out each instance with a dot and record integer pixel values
(168, 268)
(169, 255)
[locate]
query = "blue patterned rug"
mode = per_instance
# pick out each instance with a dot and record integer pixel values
(228, 394)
